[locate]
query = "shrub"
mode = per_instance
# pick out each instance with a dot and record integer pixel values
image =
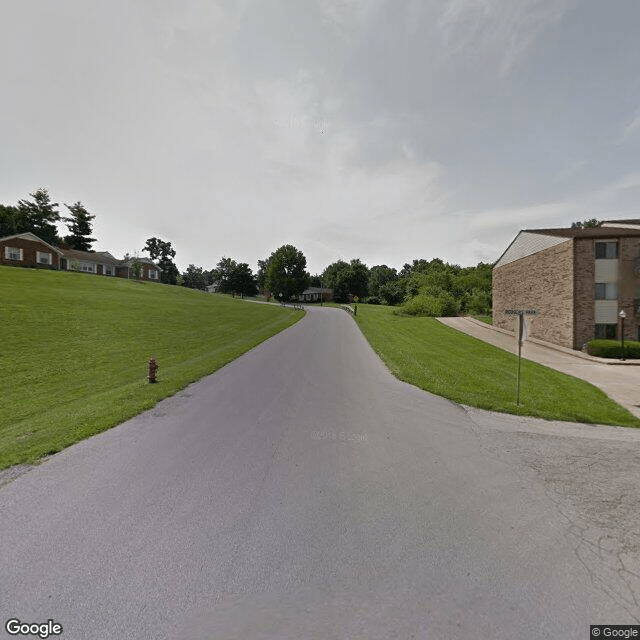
(435, 306)
(611, 348)
(479, 302)
(372, 300)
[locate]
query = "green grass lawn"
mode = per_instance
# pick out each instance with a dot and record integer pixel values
(74, 350)
(487, 319)
(437, 358)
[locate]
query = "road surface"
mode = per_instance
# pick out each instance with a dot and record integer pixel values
(303, 492)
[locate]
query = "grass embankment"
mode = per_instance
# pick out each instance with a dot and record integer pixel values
(74, 350)
(486, 319)
(439, 359)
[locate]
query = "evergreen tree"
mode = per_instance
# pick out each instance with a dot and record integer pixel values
(79, 225)
(41, 215)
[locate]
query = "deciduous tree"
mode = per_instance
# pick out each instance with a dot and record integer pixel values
(286, 273)
(163, 253)
(586, 224)
(193, 278)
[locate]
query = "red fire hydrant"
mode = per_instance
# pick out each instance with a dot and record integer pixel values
(153, 370)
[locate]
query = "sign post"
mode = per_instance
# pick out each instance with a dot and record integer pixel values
(522, 332)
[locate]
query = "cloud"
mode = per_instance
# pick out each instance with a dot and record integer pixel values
(631, 127)
(504, 29)
(350, 16)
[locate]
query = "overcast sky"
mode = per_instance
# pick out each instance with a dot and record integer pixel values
(383, 130)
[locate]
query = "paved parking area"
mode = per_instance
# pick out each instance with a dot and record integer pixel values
(620, 381)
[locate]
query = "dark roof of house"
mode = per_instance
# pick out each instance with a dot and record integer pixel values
(93, 256)
(27, 235)
(589, 232)
(316, 290)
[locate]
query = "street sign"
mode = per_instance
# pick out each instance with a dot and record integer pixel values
(521, 312)
(522, 333)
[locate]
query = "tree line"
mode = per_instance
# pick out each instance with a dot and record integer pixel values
(424, 287)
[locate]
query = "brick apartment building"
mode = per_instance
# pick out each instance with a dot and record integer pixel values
(578, 279)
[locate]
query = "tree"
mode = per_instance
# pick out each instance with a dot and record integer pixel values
(379, 275)
(358, 279)
(79, 225)
(261, 276)
(234, 277)
(136, 268)
(242, 280)
(586, 224)
(430, 286)
(11, 221)
(163, 253)
(391, 292)
(222, 274)
(335, 277)
(287, 273)
(347, 279)
(41, 216)
(193, 278)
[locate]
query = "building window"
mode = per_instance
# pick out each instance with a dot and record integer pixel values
(153, 274)
(108, 270)
(11, 253)
(43, 258)
(606, 291)
(88, 267)
(606, 331)
(606, 250)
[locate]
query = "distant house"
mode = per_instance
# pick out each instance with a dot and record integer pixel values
(27, 250)
(99, 262)
(315, 294)
(213, 288)
(150, 270)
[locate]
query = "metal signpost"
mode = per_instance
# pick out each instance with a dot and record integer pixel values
(522, 334)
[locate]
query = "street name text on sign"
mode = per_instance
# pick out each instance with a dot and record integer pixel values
(521, 312)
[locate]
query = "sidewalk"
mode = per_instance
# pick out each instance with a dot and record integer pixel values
(619, 380)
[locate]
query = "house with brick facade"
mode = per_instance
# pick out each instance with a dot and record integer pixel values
(99, 262)
(27, 250)
(150, 270)
(578, 279)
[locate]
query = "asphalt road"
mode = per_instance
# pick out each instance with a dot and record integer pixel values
(303, 492)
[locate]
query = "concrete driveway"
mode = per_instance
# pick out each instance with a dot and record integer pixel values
(619, 380)
(304, 492)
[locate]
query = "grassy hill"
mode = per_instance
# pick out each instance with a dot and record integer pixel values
(74, 350)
